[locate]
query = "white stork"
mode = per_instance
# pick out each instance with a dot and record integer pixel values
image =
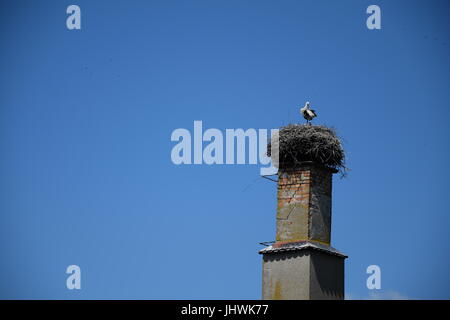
(308, 113)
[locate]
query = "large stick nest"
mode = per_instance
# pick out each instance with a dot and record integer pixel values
(299, 143)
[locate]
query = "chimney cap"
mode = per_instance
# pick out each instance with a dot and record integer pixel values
(305, 164)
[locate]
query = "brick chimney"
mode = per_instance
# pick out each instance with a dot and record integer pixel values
(301, 264)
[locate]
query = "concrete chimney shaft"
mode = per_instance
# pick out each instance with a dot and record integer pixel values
(301, 264)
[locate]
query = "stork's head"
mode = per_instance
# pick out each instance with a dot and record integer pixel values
(307, 104)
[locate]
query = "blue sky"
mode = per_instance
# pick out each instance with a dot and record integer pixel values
(86, 118)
